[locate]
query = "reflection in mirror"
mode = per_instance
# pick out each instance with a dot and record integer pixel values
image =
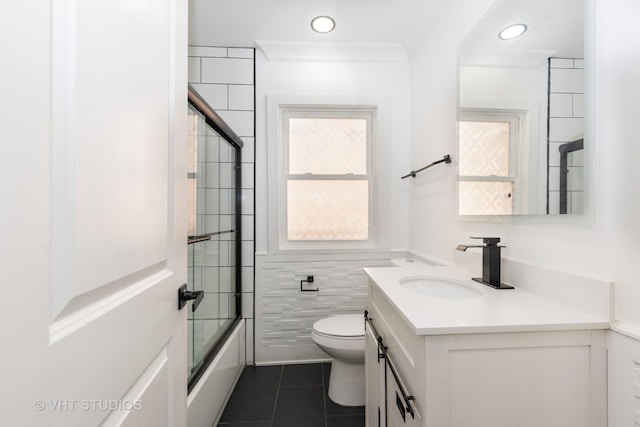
(521, 101)
(571, 177)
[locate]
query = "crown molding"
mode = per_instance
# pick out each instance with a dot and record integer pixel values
(332, 52)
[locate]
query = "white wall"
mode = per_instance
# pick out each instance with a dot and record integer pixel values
(387, 80)
(618, 95)
(522, 89)
(605, 246)
(284, 314)
(434, 231)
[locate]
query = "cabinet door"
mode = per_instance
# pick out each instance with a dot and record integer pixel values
(397, 413)
(374, 379)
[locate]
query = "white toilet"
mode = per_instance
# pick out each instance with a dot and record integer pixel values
(342, 338)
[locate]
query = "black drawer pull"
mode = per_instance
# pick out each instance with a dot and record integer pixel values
(383, 354)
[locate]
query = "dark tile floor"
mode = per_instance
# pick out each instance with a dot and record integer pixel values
(287, 396)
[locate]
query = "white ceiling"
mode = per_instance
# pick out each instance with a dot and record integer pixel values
(240, 23)
(555, 26)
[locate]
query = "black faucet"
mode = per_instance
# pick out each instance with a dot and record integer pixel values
(490, 262)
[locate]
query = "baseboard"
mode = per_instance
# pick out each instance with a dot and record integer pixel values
(291, 362)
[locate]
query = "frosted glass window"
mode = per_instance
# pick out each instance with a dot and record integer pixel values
(327, 175)
(328, 210)
(484, 148)
(488, 144)
(485, 198)
(327, 146)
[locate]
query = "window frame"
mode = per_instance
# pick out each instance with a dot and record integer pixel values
(516, 119)
(286, 112)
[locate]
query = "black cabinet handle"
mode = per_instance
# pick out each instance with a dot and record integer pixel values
(184, 295)
(383, 354)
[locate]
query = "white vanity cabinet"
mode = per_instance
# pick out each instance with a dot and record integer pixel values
(503, 379)
(374, 378)
(387, 400)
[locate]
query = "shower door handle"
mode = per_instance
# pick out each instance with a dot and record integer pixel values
(184, 295)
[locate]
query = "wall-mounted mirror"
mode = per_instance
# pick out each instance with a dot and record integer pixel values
(520, 107)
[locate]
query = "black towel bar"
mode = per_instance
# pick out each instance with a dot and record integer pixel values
(412, 174)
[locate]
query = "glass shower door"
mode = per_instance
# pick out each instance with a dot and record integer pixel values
(213, 204)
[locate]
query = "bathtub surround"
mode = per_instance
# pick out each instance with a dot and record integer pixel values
(566, 124)
(224, 77)
(213, 257)
(207, 400)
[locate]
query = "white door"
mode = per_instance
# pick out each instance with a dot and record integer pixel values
(92, 221)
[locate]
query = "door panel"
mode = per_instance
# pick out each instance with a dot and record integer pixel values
(110, 128)
(94, 236)
(149, 389)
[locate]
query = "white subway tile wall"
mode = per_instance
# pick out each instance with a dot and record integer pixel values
(240, 121)
(224, 77)
(233, 52)
(248, 150)
(561, 104)
(208, 52)
(227, 71)
(214, 94)
(566, 123)
(241, 97)
(194, 69)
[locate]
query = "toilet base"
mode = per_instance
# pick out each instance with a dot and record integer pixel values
(346, 383)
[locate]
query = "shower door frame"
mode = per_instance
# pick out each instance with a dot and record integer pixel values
(213, 120)
(565, 150)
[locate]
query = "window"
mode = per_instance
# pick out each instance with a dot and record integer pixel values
(327, 176)
(488, 162)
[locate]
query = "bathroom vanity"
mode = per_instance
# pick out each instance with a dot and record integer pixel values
(444, 351)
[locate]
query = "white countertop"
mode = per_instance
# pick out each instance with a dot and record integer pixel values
(509, 310)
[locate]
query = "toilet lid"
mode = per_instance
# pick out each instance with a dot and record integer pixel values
(342, 325)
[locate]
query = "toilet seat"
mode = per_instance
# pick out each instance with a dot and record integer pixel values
(342, 326)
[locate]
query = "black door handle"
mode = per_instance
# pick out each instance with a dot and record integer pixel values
(184, 295)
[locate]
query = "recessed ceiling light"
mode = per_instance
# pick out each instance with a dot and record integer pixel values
(323, 24)
(512, 31)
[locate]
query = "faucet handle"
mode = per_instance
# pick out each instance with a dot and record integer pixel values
(488, 240)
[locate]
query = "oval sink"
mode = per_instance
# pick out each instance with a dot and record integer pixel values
(440, 287)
